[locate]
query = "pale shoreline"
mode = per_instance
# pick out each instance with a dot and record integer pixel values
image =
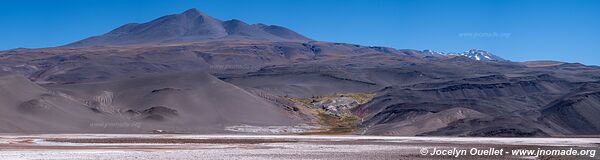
(180, 146)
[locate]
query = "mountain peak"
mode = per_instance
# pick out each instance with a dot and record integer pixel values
(190, 25)
(478, 54)
(192, 11)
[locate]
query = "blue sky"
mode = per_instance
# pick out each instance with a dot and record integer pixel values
(518, 30)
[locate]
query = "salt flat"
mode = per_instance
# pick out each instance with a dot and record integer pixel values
(176, 146)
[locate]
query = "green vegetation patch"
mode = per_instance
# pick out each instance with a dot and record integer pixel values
(344, 124)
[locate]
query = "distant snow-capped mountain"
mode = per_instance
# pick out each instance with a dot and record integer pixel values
(480, 55)
(475, 54)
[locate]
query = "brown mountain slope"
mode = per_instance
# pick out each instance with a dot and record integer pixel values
(183, 102)
(27, 107)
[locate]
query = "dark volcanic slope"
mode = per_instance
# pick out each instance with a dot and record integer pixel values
(191, 25)
(576, 112)
(460, 96)
(156, 73)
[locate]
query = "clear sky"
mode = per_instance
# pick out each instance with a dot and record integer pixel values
(518, 30)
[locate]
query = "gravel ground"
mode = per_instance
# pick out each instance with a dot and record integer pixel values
(153, 146)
